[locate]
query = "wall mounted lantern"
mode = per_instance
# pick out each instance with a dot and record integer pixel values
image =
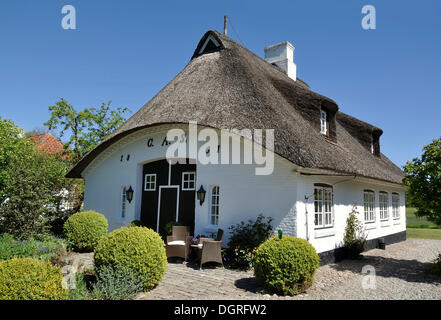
(201, 195)
(129, 194)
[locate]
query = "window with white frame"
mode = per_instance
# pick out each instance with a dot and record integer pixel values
(323, 124)
(214, 206)
(188, 181)
(383, 199)
(123, 203)
(323, 207)
(395, 205)
(369, 205)
(150, 182)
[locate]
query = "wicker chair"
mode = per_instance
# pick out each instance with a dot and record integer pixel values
(212, 249)
(178, 244)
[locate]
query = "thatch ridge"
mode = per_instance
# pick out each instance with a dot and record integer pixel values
(234, 88)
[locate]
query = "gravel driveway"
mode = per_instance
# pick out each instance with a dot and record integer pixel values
(399, 274)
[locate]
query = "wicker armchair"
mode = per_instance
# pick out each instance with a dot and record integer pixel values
(178, 244)
(212, 249)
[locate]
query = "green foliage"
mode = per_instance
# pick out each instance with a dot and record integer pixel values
(237, 258)
(423, 177)
(86, 128)
(84, 282)
(30, 279)
(137, 223)
(31, 185)
(168, 228)
(137, 249)
(436, 266)
(244, 240)
(45, 248)
(118, 284)
(354, 237)
(85, 229)
(286, 266)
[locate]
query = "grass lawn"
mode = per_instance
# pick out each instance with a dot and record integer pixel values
(420, 227)
(424, 233)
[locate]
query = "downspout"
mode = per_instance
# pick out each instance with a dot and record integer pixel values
(306, 216)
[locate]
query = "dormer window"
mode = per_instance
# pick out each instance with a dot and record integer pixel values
(375, 146)
(324, 122)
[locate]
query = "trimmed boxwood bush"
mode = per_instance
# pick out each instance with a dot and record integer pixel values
(30, 279)
(137, 249)
(286, 266)
(85, 228)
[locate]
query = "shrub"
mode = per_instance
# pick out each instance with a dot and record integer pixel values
(137, 223)
(85, 228)
(44, 247)
(286, 266)
(436, 266)
(137, 249)
(118, 284)
(30, 279)
(168, 228)
(244, 240)
(354, 238)
(32, 184)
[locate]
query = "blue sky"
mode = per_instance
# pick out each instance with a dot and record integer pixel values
(126, 51)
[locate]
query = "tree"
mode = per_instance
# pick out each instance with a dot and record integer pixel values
(11, 146)
(354, 237)
(33, 187)
(87, 128)
(423, 177)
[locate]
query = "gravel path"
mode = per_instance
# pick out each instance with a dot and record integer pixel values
(399, 274)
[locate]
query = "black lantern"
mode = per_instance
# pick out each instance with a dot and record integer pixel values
(129, 194)
(201, 195)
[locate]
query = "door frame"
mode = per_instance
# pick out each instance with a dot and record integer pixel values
(159, 203)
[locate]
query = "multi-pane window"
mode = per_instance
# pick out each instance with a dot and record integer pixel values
(123, 203)
(369, 206)
(214, 208)
(188, 180)
(150, 182)
(323, 124)
(395, 205)
(323, 203)
(383, 198)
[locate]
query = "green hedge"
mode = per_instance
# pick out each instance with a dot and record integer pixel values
(138, 249)
(85, 229)
(30, 279)
(286, 266)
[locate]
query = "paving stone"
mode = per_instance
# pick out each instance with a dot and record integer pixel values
(399, 275)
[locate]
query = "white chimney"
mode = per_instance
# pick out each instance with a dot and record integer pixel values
(282, 55)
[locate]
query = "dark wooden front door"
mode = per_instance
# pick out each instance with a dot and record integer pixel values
(167, 208)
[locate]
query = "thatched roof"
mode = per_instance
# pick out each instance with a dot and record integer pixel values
(234, 88)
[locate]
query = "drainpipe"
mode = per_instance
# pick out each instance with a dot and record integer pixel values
(306, 216)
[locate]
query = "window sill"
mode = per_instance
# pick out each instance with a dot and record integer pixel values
(370, 225)
(385, 223)
(397, 222)
(324, 232)
(321, 228)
